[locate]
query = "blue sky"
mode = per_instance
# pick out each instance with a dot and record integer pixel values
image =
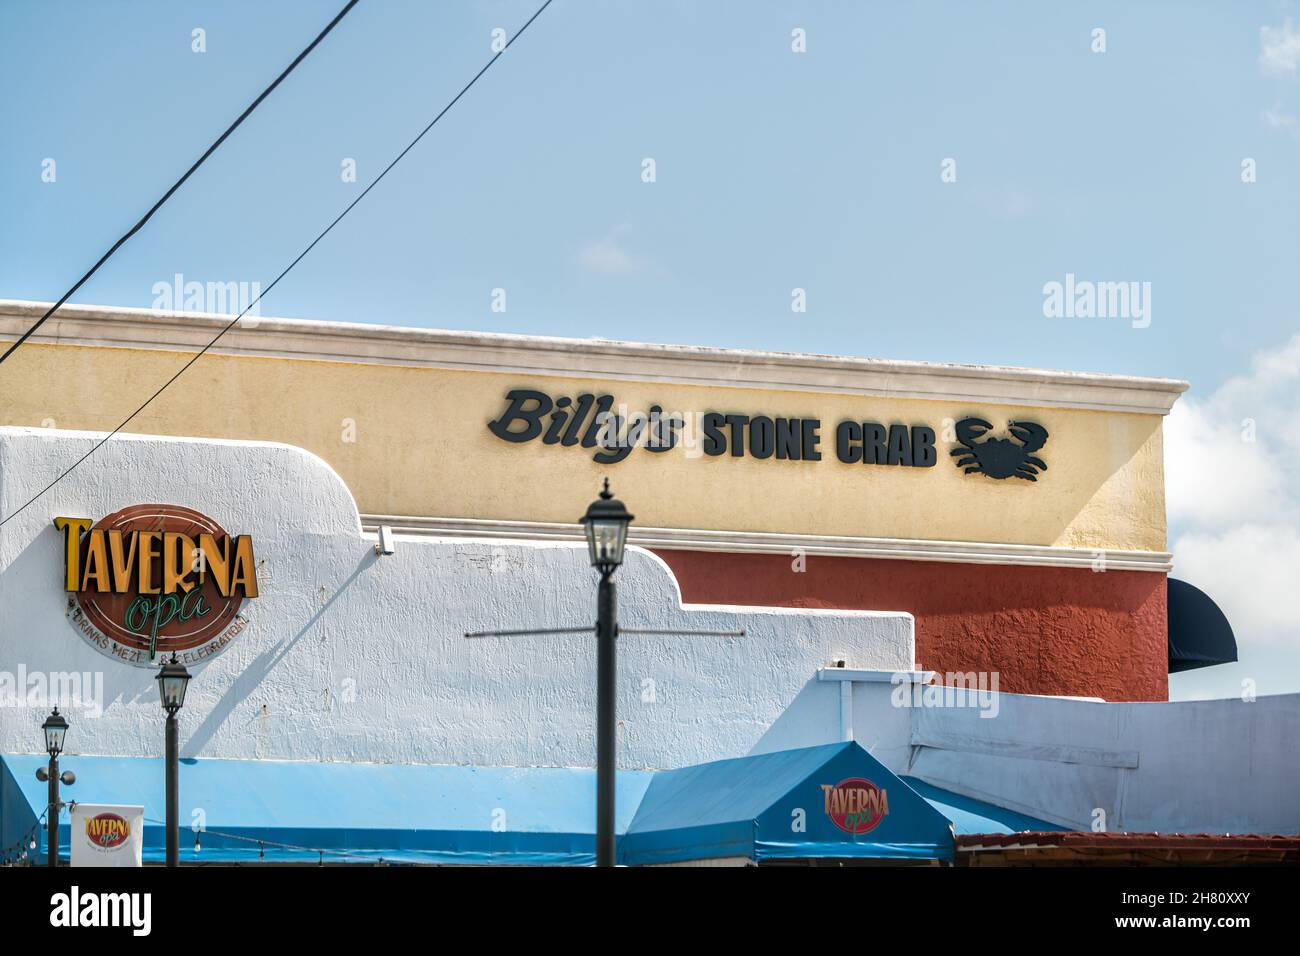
(774, 170)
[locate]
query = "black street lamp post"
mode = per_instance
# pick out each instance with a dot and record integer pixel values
(606, 524)
(56, 729)
(172, 681)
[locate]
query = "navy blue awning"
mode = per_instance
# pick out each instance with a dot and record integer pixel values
(1199, 633)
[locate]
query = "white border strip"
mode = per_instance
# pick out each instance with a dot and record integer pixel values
(592, 358)
(685, 539)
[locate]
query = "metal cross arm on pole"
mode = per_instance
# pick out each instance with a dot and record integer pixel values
(592, 630)
(589, 629)
(656, 630)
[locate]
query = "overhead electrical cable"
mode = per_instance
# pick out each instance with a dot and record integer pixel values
(302, 255)
(180, 182)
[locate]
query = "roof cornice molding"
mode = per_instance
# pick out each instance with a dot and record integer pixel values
(688, 539)
(604, 359)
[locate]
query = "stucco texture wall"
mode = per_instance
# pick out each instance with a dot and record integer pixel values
(1064, 631)
(353, 656)
(1206, 766)
(414, 441)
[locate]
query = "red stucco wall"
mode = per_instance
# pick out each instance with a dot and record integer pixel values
(1044, 630)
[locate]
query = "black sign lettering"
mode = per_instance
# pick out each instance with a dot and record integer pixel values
(518, 412)
(591, 421)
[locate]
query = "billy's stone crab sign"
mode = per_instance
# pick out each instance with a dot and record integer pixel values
(150, 580)
(591, 422)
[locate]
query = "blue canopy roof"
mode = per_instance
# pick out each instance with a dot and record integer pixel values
(970, 816)
(400, 813)
(780, 805)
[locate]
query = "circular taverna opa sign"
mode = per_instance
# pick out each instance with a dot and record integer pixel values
(153, 580)
(855, 805)
(107, 830)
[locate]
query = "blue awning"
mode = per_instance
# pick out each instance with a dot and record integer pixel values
(18, 821)
(398, 813)
(792, 804)
(832, 801)
(970, 816)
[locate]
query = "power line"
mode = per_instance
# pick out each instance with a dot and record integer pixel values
(180, 182)
(302, 255)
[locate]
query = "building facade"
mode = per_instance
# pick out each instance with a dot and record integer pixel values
(1018, 515)
(951, 577)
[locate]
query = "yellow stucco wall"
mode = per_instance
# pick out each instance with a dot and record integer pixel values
(422, 448)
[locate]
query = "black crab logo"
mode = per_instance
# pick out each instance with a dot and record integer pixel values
(1000, 457)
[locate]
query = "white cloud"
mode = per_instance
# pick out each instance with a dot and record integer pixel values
(1214, 479)
(1251, 572)
(608, 256)
(1232, 463)
(1276, 118)
(1279, 48)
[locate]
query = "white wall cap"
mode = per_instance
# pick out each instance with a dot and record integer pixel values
(604, 359)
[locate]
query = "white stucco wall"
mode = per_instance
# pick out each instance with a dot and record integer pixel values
(1219, 766)
(356, 657)
(350, 656)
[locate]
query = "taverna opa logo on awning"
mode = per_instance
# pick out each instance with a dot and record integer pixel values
(855, 805)
(150, 580)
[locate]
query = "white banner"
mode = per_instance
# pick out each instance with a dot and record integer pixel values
(105, 835)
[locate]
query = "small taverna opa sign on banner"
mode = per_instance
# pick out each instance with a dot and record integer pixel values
(105, 835)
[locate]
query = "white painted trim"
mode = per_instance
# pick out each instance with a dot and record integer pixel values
(592, 358)
(857, 674)
(689, 539)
